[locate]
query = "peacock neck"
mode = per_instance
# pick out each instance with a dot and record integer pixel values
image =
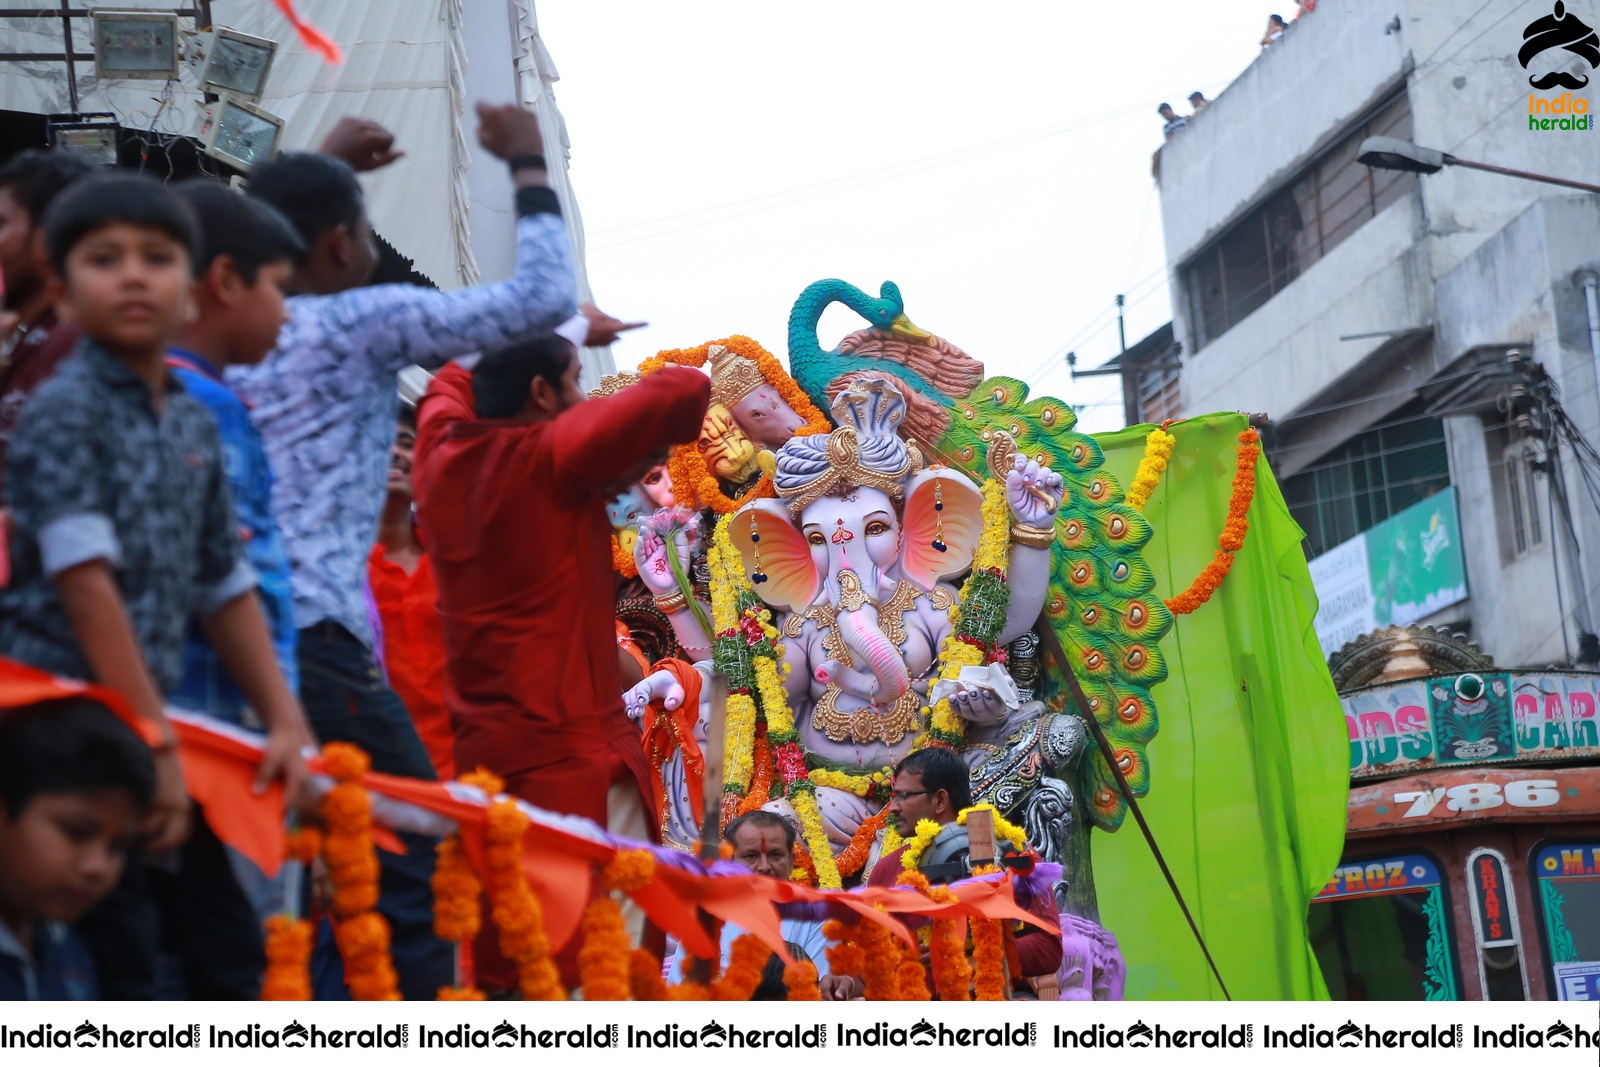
(807, 313)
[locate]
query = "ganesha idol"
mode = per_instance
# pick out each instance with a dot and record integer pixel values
(857, 560)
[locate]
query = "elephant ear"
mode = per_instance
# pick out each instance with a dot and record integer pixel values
(961, 519)
(792, 581)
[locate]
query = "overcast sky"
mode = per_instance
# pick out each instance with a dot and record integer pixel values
(992, 159)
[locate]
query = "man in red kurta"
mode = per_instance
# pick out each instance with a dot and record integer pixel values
(514, 468)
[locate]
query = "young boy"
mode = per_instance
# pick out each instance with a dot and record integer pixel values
(74, 785)
(122, 527)
(248, 252)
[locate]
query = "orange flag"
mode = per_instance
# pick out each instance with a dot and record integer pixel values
(22, 686)
(314, 39)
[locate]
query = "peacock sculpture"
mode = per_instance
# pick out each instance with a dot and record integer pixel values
(1102, 604)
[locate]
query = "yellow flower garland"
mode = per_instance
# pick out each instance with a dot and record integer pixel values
(1003, 830)
(859, 784)
(1158, 445)
(927, 830)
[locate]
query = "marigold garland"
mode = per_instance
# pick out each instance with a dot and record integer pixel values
(846, 957)
(947, 942)
(1233, 532)
(854, 856)
(288, 946)
(644, 976)
(913, 979)
(746, 650)
(461, 993)
(456, 893)
(988, 960)
(352, 861)
(801, 981)
(305, 845)
(622, 562)
(881, 969)
(603, 962)
(862, 785)
(988, 952)
(688, 991)
(690, 476)
(517, 913)
(1158, 445)
(926, 831)
(743, 974)
(761, 781)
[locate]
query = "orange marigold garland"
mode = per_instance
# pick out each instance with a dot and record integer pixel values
(845, 956)
(854, 856)
(743, 973)
(622, 562)
(913, 979)
(457, 913)
(688, 991)
(644, 976)
(801, 980)
(881, 970)
(360, 932)
(517, 913)
(692, 482)
(1233, 531)
(761, 781)
(605, 963)
(947, 943)
(288, 945)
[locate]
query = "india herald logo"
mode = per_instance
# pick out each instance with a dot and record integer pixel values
(1559, 30)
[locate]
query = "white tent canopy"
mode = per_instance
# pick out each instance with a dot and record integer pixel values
(415, 67)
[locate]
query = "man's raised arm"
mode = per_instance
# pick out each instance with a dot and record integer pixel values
(599, 441)
(427, 327)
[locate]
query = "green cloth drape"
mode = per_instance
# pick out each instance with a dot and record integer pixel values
(1250, 770)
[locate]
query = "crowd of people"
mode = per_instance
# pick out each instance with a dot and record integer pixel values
(226, 491)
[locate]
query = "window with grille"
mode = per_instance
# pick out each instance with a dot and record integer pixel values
(1370, 477)
(1273, 245)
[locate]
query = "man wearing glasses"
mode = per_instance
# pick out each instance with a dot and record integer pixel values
(933, 784)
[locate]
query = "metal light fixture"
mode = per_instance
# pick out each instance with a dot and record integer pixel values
(92, 136)
(135, 44)
(237, 63)
(1391, 153)
(239, 133)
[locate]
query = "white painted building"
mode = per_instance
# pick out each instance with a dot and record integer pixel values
(1370, 313)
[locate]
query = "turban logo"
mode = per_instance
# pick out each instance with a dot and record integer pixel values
(1559, 29)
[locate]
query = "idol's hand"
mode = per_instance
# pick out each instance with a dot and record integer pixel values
(1034, 492)
(662, 686)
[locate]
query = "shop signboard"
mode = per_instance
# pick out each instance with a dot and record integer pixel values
(1491, 908)
(1398, 571)
(1466, 719)
(1408, 873)
(1568, 875)
(1442, 798)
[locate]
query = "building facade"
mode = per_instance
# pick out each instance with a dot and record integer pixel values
(1427, 346)
(1471, 868)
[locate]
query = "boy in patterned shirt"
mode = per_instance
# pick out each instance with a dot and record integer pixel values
(122, 528)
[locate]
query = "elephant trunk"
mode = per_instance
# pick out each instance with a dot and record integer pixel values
(868, 645)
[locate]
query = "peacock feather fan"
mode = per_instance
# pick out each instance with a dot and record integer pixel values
(1102, 602)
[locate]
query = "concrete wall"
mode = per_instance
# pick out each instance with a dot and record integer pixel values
(1323, 73)
(1288, 351)
(1479, 259)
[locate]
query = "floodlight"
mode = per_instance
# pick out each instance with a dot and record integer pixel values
(135, 44)
(238, 64)
(92, 136)
(241, 134)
